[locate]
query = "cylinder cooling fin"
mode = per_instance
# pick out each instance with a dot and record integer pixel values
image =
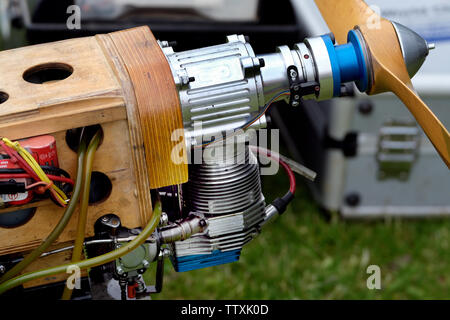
(227, 193)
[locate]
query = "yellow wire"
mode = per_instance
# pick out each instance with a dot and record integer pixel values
(36, 168)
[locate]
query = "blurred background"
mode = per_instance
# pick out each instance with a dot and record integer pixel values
(372, 204)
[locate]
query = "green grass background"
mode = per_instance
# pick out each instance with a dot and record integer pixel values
(304, 255)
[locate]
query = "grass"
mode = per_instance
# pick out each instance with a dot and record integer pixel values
(303, 255)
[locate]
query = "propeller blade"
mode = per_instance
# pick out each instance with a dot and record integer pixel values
(343, 15)
(390, 72)
(430, 124)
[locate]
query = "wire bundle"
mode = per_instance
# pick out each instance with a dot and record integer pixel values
(33, 170)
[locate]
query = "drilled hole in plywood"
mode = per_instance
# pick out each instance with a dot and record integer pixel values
(17, 218)
(48, 73)
(3, 97)
(73, 136)
(101, 187)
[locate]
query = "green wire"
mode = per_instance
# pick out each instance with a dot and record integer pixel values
(93, 262)
(36, 253)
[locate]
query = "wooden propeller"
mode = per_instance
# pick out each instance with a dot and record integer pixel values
(390, 73)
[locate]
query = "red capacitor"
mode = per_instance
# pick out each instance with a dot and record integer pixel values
(43, 149)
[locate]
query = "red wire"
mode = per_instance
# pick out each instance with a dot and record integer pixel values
(15, 157)
(286, 167)
(18, 159)
(40, 183)
(291, 175)
(27, 176)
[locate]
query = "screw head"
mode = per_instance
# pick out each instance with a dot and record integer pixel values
(115, 221)
(120, 271)
(293, 74)
(365, 107)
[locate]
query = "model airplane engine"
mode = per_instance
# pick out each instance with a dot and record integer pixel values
(175, 123)
(227, 87)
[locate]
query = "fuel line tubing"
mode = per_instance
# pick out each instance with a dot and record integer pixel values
(92, 262)
(84, 203)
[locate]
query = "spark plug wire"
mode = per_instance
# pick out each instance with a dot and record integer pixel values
(280, 203)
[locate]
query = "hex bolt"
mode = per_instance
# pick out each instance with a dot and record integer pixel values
(184, 80)
(202, 223)
(262, 63)
(165, 253)
(145, 263)
(164, 219)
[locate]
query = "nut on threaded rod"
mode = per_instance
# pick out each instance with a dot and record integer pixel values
(183, 230)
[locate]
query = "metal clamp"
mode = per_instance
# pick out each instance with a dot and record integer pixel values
(300, 89)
